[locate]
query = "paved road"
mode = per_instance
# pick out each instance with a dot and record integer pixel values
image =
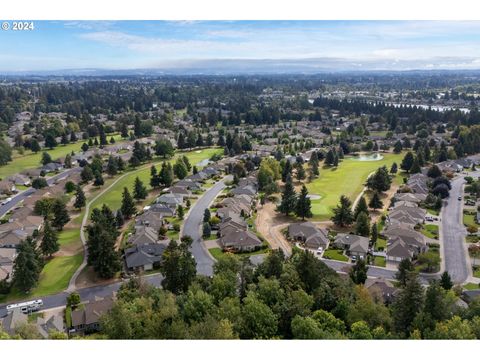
(87, 294)
(453, 233)
(24, 194)
(192, 227)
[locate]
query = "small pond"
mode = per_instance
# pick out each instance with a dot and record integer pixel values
(368, 157)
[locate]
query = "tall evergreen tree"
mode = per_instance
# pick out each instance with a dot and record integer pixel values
(361, 207)
(128, 205)
(102, 236)
(139, 190)
(303, 207)
(362, 225)
(289, 199)
(154, 177)
(178, 266)
(80, 199)
(407, 305)
(180, 169)
(49, 244)
(60, 214)
(342, 214)
(375, 202)
(27, 266)
(112, 166)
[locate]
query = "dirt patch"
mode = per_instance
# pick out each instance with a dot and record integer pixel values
(88, 278)
(270, 224)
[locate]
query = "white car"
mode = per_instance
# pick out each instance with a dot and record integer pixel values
(320, 250)
(6, 201)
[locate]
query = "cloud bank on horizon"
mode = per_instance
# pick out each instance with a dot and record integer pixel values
(248, 46)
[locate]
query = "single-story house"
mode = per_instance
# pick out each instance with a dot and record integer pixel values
(7, 187)
(307, 233)
(19, 179)
(354, 244)
(240, 240)
(86, 319)
(144, 257)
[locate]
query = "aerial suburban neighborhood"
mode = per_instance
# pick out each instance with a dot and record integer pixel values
(256, 205)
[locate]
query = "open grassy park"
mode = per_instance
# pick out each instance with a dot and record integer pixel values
(347, 179)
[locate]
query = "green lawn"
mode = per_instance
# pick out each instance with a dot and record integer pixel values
(430, 231)
(469, 219)
(348, 179)
(471, 286)
(380, 261)
(69, 236)
(335, 255)
(381, 244)
(113, 197)
(30, 160)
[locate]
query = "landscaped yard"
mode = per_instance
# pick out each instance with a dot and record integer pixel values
(381, 244)
(348, 179)
(335, 254)
(471, 286)
(469, 219)
(380, 261)
(430, 231)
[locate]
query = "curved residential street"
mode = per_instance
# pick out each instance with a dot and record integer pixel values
(192, 227)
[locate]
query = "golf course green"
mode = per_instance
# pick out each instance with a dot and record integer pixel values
(347, 179)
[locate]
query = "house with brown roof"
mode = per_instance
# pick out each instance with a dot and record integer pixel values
(86, 319)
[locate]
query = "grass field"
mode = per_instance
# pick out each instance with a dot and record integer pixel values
(348, 179)
(335, 254)
(30, 160)
(68, 236)
(113, 197)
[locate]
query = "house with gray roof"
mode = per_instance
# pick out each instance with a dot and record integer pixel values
(307, 233)
(354, 244)
(144, 257)
(240, 240)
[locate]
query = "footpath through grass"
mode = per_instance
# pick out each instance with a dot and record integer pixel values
(347, 179)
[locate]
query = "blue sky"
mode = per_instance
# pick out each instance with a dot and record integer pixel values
(394, 45)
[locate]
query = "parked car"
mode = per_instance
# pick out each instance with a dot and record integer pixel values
(459, 198)
(354, 258)
(6, 201)
(320, 250)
